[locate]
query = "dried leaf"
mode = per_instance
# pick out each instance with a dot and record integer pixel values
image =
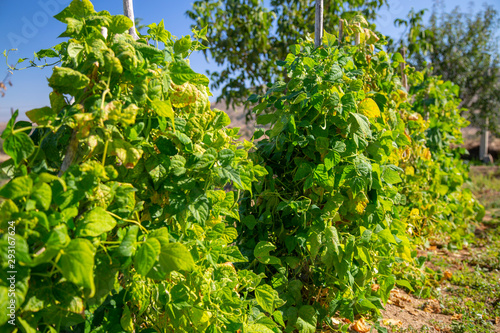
(457, 316)
(392, 322)
(360, 326)
(375, 287)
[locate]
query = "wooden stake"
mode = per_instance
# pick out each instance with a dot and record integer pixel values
(128, 11)
(341, 30)
(318, 25)
(404, 79)
(357, 37)
(483, 147)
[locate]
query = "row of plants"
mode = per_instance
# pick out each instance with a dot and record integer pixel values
(134, 207)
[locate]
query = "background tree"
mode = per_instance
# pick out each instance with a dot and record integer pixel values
(463, 48)
(247, 38)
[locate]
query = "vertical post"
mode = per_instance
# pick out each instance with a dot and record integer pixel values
(357, 36)
(483, 146)
(318, 25)
(341, 30)
(404, 79)
(128, 10)
(11, 112)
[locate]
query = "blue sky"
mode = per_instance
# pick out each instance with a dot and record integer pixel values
(28, 26)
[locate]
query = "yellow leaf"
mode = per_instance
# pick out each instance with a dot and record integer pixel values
(361, 326)
(360, 206)
(183, 95)
(426, 154)
(369, 108)
(392, 322)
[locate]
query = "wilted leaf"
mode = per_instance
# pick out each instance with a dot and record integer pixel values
(360, 326)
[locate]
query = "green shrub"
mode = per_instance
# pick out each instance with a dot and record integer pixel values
(132, 235)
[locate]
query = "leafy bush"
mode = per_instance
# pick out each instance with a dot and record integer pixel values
(132, 235)
(438, 206)
(124, 202)
(323, 225)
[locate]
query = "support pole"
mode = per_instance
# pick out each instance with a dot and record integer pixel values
(318, 25)
(483, 147)
(341, 31)
(128, 10)
(357, 36)
(404, 79)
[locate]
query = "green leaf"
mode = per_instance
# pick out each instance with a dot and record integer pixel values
(46, 53)
(333, 238)
(321, 173)
(390, 175)
(180, 72)
(42, 116)
(387, 236)
(303, 171)
(164, 109)
(127, 153)
(19, 146)
(120, 24)
(68, 81)
(129, 243)
(331, 159)
(348, 102)
(397, 57)
(10, 125)
(404, 283)
(77, 263)
(361, 124)
(266, 297)
(249, 221)
(335, 74)
(146, 256)
(7, 209)
(81, 8)
(231, 174)
(126, 320)
(200, 209)
(161, 235)
(261, 252)
(255, 328)
(307, 319)
(386, 285)
(366, 304)
(95, 222)
(175, 257)
(17, 188)
(300, 97)
(42, 194)
(322, 144)
(182, 45)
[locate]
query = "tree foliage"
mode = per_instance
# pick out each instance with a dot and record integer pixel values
(463, 48)
(246, 38)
